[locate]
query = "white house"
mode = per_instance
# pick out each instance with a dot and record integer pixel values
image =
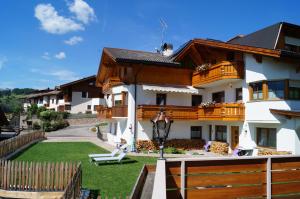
(245, 91)
(80, 96)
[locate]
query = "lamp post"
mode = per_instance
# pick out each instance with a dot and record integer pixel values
(161, 128)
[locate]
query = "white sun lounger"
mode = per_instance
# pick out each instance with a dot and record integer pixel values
(112, 154)
(106, 159)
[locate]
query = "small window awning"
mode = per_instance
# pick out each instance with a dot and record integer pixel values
(286, 113)
(181, 89)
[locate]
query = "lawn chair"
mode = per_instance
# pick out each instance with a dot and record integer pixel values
(119, 158)
(112, 154)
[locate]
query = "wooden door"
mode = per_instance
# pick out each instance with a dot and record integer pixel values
(234, 137)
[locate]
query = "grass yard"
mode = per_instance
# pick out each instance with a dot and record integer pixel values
(109, 179)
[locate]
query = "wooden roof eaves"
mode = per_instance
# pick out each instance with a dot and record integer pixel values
(223, 45)
(286, 113)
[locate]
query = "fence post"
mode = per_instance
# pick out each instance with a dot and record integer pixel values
(269, 178)
(182, 180)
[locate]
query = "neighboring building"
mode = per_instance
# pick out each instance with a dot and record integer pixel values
(80, 96)
(245, 91)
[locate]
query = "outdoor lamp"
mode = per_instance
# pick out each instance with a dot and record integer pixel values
(161, 128)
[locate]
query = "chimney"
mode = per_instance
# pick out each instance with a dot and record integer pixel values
(167, 49)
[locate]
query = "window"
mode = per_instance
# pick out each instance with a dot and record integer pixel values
(266, 137)
(52, 101)
(276, 89)
(40, 101)
(67, 107)
(210, 132)
(218, 97)
(257, 90)
(196, 132)
(95, 107)
(118, 102)
(161, 99)
(84, 94)
(196, 100)
(294, 90)
(221, 133)
(115, 128)
(238, 94)
(89, 107)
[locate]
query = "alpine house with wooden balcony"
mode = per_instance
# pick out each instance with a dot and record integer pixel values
(245, 91)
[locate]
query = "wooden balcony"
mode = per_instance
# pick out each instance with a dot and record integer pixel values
(119, 111)
(174, 112)
(112, 81)
(104, 112)
(223, 112)
(220, 72)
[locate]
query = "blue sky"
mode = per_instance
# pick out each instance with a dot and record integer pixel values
(47, 43)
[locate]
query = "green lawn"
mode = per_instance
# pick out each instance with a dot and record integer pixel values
(109, 179)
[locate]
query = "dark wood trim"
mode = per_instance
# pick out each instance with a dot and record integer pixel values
(287, 113)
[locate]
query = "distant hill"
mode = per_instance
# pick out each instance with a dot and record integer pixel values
(10, 99)
(16, 91)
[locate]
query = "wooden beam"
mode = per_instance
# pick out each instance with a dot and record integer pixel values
(195, 55)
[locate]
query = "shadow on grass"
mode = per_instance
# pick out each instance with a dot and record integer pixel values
(23, 151)
(124, 161)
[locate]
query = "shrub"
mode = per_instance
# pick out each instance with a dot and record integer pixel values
(64, 115)
(39, 110)
(36, 126)
(47, 126)
(173, 150)
(45, 115)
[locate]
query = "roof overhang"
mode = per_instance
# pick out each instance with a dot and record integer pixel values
(287, 113)
(169, 89)
(226, 46)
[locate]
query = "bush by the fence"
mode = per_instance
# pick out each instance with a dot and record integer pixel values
(36, 126)
(186, 144)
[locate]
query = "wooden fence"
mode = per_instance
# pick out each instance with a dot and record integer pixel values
(227, 177)
(40, 176)
(13, 144)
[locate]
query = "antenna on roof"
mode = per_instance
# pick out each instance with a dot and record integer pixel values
(164, 27)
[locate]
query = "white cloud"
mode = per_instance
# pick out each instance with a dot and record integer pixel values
(64, 75)
(60, 74)
(46, 56)
(52, 22)
(3, 61)
(83, 11)
(73, 40)
(60, 55)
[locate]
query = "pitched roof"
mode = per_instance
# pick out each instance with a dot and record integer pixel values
(264, 38)
(77, 81)
(34, 95)
(134, 56)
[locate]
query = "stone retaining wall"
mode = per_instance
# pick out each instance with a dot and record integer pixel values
(80, 121)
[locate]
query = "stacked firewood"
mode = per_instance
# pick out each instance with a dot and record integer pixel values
(272, 152)
(185, 144)
(219, 147)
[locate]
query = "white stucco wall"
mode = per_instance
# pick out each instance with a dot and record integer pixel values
(79, 104)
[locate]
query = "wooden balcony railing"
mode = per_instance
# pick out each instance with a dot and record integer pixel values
(174, 112)
(112, 81)
(220, 71)
(104, 112)
(224, 112)
(119, 111)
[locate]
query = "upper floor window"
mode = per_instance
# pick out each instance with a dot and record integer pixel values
(238, 94)
(161, 99)
(218, 97)
(292, 44)
(84, 94)
(53, 101)
(89, 107)
(266, 137)
(275, 89)
(294, 90)
(196, 100)
(257, 90)
(230, 56)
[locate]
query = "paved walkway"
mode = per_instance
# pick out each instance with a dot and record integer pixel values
(82, 133)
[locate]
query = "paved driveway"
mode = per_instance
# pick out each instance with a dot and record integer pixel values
(73, 131)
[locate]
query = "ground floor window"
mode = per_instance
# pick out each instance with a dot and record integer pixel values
(67, 107)
(266, 137)
(221, 133)
(196, 132)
